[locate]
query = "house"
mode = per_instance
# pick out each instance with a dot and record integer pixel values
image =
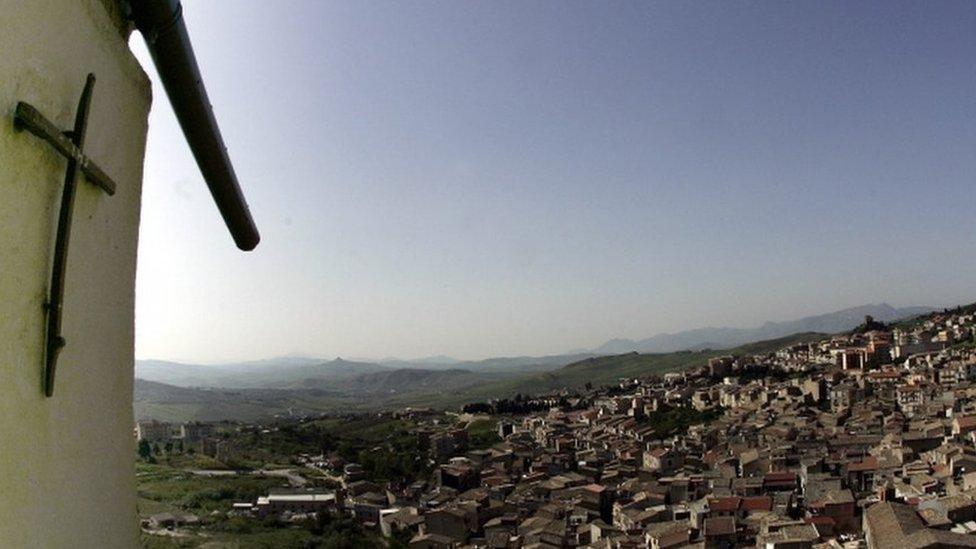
(451, 523)
(838, 505)
(596, 498)
(852, 358)
(720, 366)
(275, 504)
(963, 425)
(756, 505)
(395, 520)
(910, 398)
(457, 476)
(352, 472)
(949, 510)
(890, 525)
(780, 482)
(367, 507)
(725, 507)
(153, 431)
(664, 535)
(662, 460)
(793, 536)
(432, 541)
(195, 432)
(720, 532)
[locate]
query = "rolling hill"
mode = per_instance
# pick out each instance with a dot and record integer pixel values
(393, 388)
(403, 381)
(163, 402)
(260, 374)
(263, 389)
(153, 400)
(609, 369)
(296, 373)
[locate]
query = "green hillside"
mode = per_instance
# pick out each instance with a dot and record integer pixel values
(600, 371)
(405, 387)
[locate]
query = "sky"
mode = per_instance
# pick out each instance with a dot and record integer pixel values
(482, 179)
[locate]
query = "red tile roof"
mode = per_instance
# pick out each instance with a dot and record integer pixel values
(730, 504)
(719, 526)
(758, 503)
(869, 463)
(781, 476)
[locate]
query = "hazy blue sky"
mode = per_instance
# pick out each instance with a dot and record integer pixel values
(500, 178)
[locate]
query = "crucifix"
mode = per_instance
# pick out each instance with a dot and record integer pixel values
(70, 145)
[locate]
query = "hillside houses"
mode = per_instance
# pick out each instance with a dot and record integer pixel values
(861, 439)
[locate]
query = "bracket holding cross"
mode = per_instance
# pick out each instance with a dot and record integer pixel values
(69, 144)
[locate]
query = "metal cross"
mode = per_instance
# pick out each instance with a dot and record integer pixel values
(69, 144)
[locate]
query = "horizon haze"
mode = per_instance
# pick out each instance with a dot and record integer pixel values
(692, 339)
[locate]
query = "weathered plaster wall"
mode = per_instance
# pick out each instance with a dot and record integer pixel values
(66, 462)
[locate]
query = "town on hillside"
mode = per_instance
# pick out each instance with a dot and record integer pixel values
(861, 439)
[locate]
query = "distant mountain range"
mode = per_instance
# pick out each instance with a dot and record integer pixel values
(724, 338)
(307, 385)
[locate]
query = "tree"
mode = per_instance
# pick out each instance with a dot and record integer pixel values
(145, 452)
(399, 538)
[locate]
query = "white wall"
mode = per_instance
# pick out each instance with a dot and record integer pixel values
(66, 462)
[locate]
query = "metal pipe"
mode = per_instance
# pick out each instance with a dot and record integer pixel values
(161, 24)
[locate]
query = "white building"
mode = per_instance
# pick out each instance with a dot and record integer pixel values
(67, 475)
